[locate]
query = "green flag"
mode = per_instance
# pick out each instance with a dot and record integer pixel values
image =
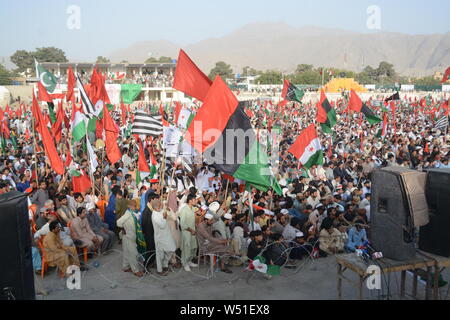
(129, 92)
(47, 79)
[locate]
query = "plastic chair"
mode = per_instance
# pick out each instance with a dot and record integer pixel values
(85, 252)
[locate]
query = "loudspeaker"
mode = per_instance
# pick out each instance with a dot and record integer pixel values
(391, 225)
(435, 237)
(16, 265)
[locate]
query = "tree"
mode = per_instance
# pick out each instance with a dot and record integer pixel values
(270, 77)
(25, 60)
(159, 60)
(368, 76)
(303, 68)
(49, 54)
(5, 76)
(165, 59)
(221, 69)
(22, 59)
(427, 81)
(248, 71)
(101, 59)
(386, 69)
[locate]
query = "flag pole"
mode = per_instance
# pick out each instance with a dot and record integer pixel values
(250, 201)
(33, 124)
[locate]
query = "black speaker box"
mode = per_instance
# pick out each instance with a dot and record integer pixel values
(391, 225)
(16, 266)
(435, 236)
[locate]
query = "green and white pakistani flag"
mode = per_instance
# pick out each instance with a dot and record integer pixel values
(47, 79)
(79, 126)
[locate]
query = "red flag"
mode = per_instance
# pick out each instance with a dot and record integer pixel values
(43, 94)
(82, 183)
(427, 149)
(2, 114)
(50, 150)
(27, 135)
(355, 102)
(321, 113)
(99, 129)
(70, 95)
(177, 111)
(111, 135)
(385, 121)
(446, 75)
(4, 129)
(19, 113)
(142, 162)
(57, 126)
(330, 152)
(394, 123)
(98, 90)
(163, 116)
(123, 113)
(68, 156)
(8, 110)
(190, 79)
(286, 85)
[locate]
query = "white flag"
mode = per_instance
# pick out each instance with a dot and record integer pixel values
(92, 156)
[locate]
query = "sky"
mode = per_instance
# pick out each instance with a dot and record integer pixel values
(106, 25)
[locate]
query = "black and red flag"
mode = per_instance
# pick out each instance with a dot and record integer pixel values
(357, 105)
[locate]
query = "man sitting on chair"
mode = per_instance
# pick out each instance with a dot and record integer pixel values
(56, 253)
(210, 244)
(80, 230)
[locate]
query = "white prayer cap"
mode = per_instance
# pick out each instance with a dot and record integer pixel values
(214, 206)
(227, 216)
(209, 216)
(299, 234)
(204, 207)
(284, 211)
(268, 212)
(90, 206)
(178, 171)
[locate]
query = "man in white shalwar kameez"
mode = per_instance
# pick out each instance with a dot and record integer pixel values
(130, 252)
(164, 242)
(188, 234)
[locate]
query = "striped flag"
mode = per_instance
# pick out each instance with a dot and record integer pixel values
(88, 107)
(442, 124)
(146, 124)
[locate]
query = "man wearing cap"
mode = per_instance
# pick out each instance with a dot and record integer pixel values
(316, 217)
(100, 228)
(222, 225)
(188, 233)
(300, 248)
(210, 244)
(154, 188)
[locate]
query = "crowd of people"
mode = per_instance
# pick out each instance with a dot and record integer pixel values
(179, 216)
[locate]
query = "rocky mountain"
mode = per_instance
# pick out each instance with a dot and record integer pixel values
(281, 47)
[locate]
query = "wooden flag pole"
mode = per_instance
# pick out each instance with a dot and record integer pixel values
(226, 190)
(34, 148)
